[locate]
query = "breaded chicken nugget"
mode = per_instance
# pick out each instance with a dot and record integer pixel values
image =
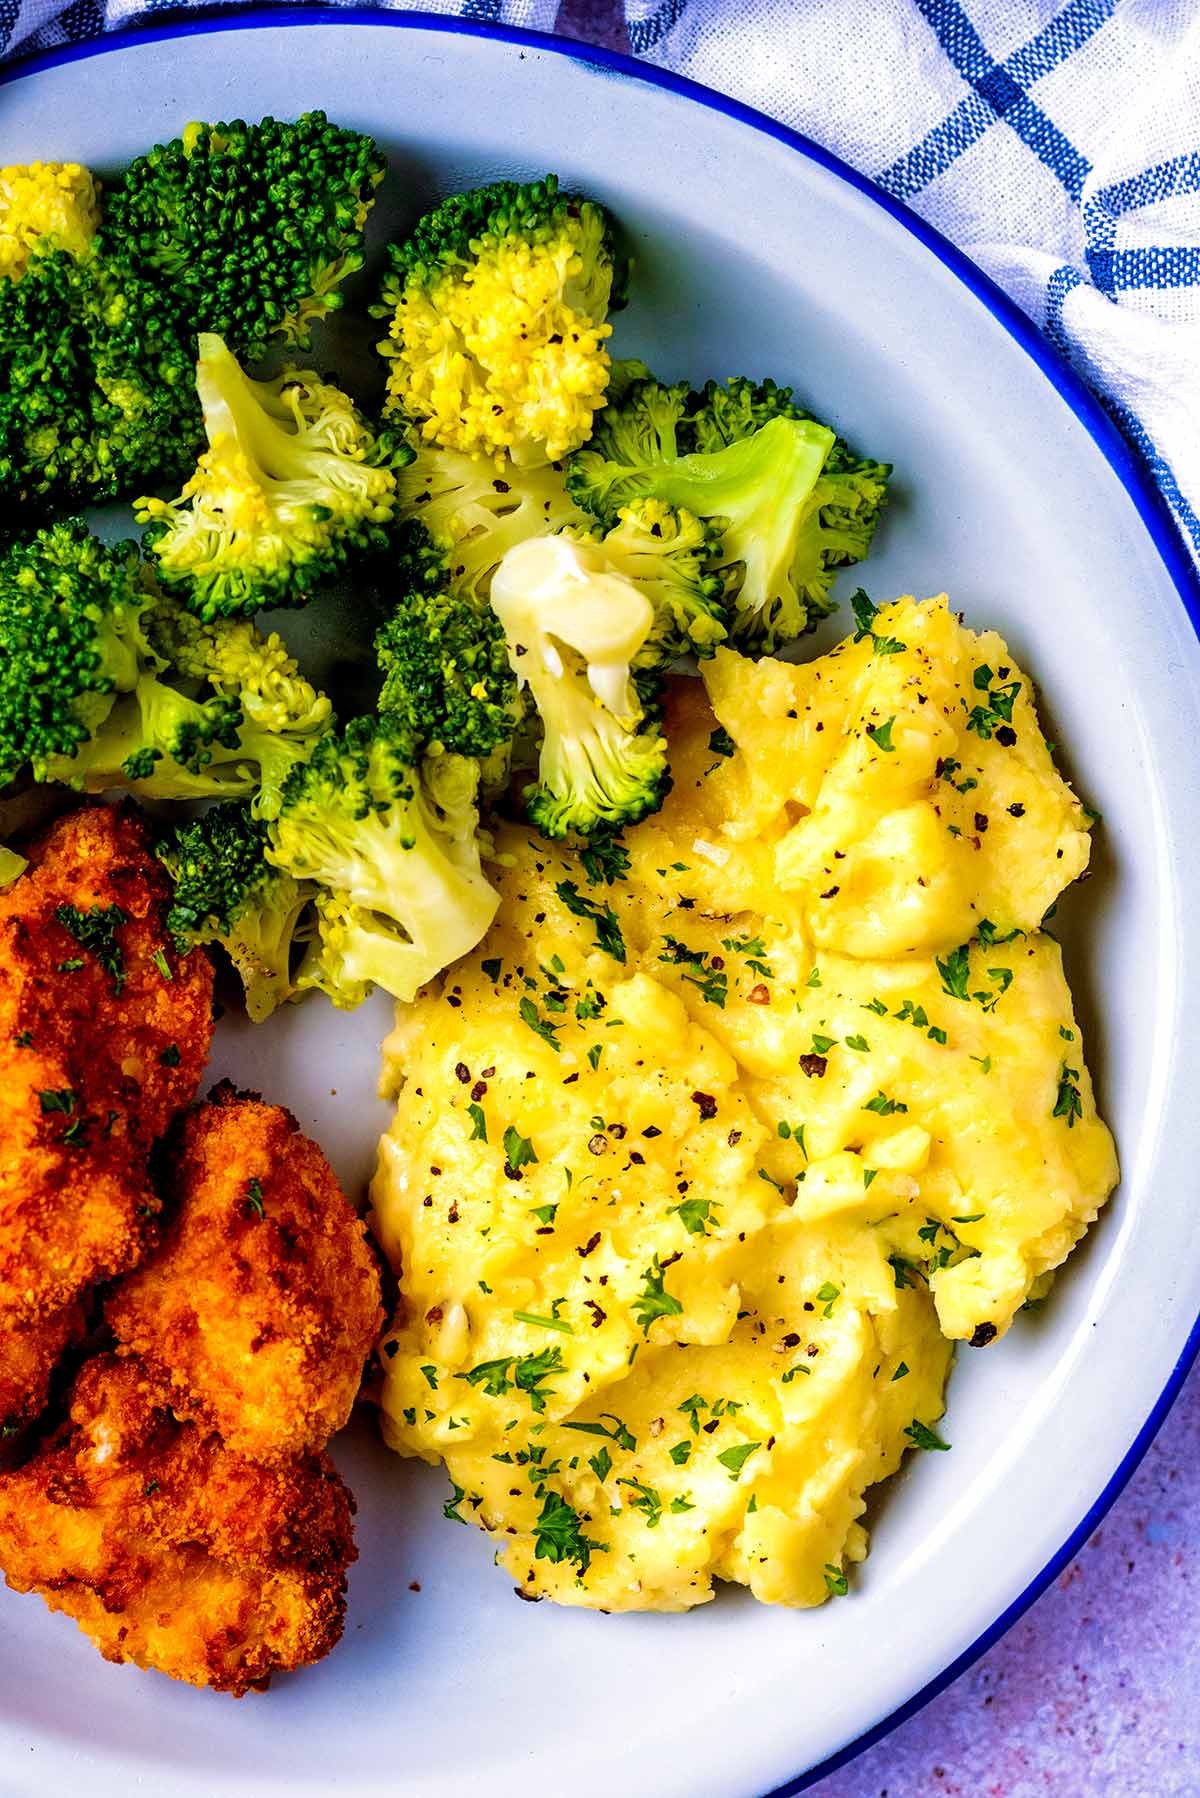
(262, 1302)
(104, 1033)
(171, 1551)
(29, 1353)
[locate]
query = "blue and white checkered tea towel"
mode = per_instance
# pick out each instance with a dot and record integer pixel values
(29, 25)
(1058, 145)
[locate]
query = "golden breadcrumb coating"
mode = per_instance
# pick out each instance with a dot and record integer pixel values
(262, 1302)
(104, 1033)
(171, 1551)
(29, 1353)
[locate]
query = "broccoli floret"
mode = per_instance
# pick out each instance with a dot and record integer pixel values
(577, 631)
(45, 205)
(391, 841)
(292, 481)
(227, 892)
(106, 683)
(252, 228)
(448, 679)
(791, 501)
(227, 715)
(461, 515)
(73, 636)
(497, 303)
(448, 683)
(668, 556)
(96, 382)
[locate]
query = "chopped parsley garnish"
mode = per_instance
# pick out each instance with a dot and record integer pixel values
(170, 1056)
(821, 1045)
(522, 1373)
(478, 1122)
(881, 734)
(254, 1198)
(901, 1370)
(864, 616)
(594, 1054)
(96, 931)
(734, 1459)
(858, 1042)
(430, 1372)
(159, 958)
(61, 1099)
(712, 983)
(545, 1215)
(654, 1300)
(23, 1039)
(558, 1534)
(602, 917)
(605, 859)
(694, 1215)
(828, 1295)
(601, 1464)
(623, 1437)
(450, 1509)
(921, 1436)
(721, 743)
(554, 1322)
(646, 1499)
(679, 1454)
(836, 1580)
(492, 968)
(883, 1106)
(538, 1024)
(519, 1152)
(754, 949)
(993, 716)
(1069, 1103)
(955, 971)
(869, 1174)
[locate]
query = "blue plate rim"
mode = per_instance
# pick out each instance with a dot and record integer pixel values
(1127, 465)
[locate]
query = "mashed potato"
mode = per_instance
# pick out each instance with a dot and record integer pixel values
(694, 1175)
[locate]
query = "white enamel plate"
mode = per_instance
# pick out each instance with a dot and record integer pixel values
(755, 254)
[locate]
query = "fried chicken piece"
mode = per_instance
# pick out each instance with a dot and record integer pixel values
(104, 1033)
(171, 1551)
(262, 1302)
(29, 1353)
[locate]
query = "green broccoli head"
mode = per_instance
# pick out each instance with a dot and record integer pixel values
(389, 839)
(668, 555)
(791, 502)
(253, 228)
(197, 711)
(292, 482)
(48, 438)
(496, 306)
(448, 683)
(227, 892)
(73, 636)
(97, 393)
(577, 631)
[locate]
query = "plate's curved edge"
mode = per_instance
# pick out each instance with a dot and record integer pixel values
(1126, 464)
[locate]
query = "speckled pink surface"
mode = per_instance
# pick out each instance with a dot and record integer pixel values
(1095, 1693)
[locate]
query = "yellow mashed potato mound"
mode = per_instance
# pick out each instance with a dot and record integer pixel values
(694, 1176)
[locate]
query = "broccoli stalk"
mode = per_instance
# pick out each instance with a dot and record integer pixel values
(496, 306)
(291, 483)
(226, 892)
(575, 631)
(791, 502)
(396, 848)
